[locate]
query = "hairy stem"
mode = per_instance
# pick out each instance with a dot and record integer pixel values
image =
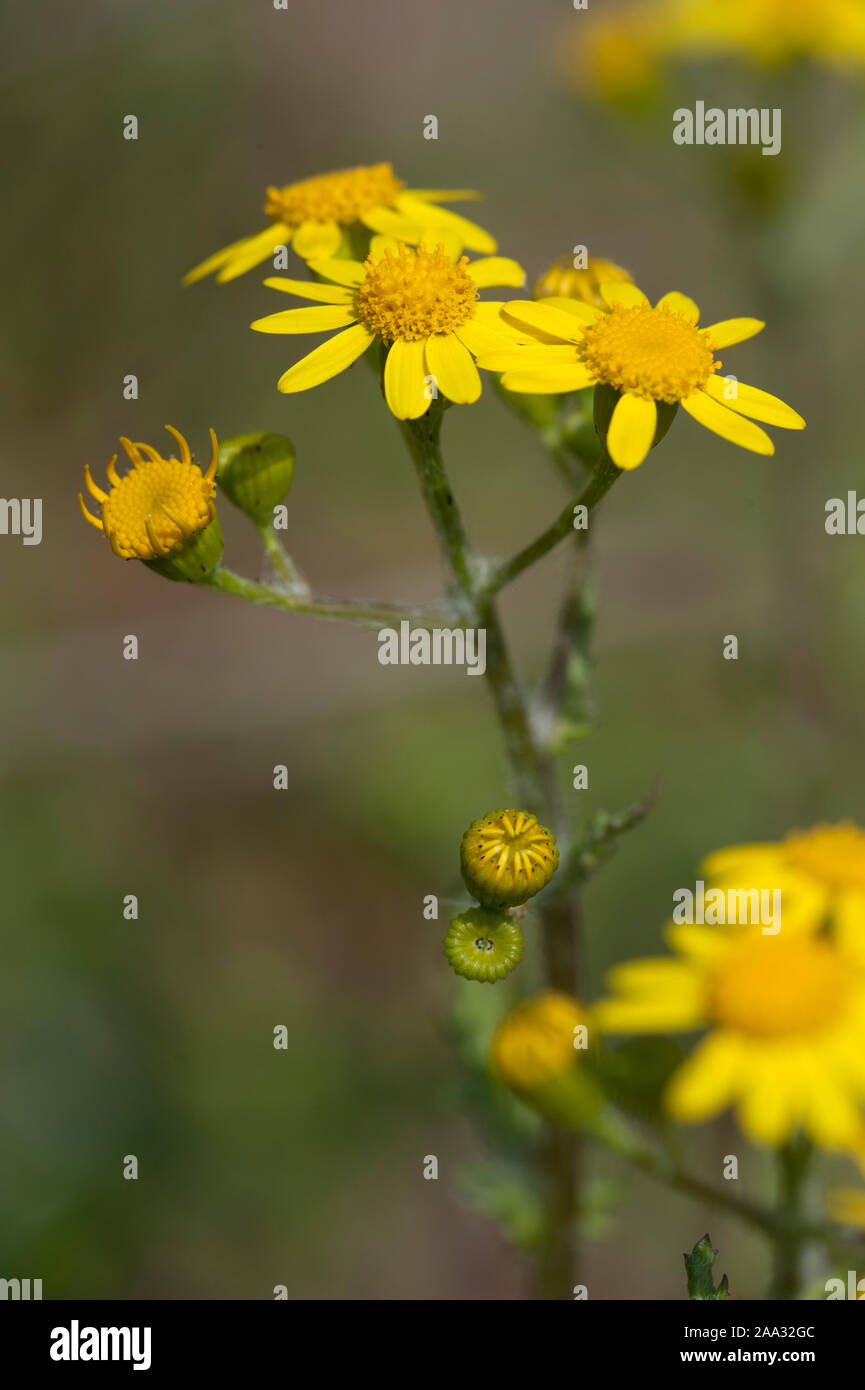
(534, 780)
(792, 1167)
(349, 610)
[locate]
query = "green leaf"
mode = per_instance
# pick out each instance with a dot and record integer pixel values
(698, 1267)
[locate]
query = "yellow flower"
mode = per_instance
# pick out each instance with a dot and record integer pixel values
(537, 1041)
(615, 59)
(159, 505)
(820, 874)
(420, 303)
(315, 215)
(786, 1021)
(772, 32)
(564, 280)
(649, 355)
(846, 1205)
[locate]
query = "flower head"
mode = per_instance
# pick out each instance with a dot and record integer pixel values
(564, 280)
(317, 217)
(420, 302)
(160, 508)
(820, 874)
(786, 1028)
(535, 1043)
(483, 945)
(649, 356)
(507, 857)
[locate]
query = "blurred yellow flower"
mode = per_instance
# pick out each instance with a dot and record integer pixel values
(820, 874)
(564, 280)
(538, 1041)
(649, 355)
(618, 58)
(786, 1028)
(420, 303)
(313, 215)
(159, 505)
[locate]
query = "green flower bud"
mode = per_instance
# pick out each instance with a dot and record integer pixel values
(482, 945)
(507, 857)
(255, 473)
(194, 558)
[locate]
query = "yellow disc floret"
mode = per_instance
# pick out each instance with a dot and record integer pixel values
(654, 353)
(158, 505)
(772, 989)
(343, 197)
(834, 854)
(415, 293)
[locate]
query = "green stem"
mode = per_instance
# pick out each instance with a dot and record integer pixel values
(792, 1168)
(534, 780)
(349, 610)
(599, 485)
(281, 561)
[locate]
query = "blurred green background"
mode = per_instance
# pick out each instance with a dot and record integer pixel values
(304, 908)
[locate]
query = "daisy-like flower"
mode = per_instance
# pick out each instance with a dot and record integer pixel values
(421, 303)
(315, 215)
(786, 1021)
(820, 874)
(650, 356)
(161, 510)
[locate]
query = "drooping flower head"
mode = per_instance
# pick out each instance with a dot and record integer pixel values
(160, 508)
(785, 1016)
(318, 216)
(648, 356)
(420, 302)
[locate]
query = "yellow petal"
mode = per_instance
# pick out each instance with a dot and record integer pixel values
(255, 250)
(727, 423)
(404, 386)
(770, 1104)
(453, 368)
(213, 262)
(315, 241)
(328, 360)
(631, 431)
(729, 331)
(496, 270)
(306, 320)
(546, 381)
(311, 289)
(751, 401)
(515, 358)
(349, 273)
(679, 304)
(446, 195)
(615, 292)
(585, 312)
(428, 216)
(544, 318)
(488, 335)
(706, 1082)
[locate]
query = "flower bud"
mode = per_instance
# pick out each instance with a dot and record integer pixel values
(483, 945)
(507, 857)
(564, 280)
(536, 1051)
(255, 473)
